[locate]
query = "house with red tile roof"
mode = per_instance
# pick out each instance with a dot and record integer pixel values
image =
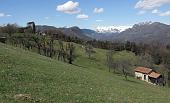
(148, 75)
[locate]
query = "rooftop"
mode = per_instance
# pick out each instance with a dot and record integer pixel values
(154, 75)
(143, 70)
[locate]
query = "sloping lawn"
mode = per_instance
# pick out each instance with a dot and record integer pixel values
(27, 77)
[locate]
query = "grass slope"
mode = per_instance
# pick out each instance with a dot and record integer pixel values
(27, 77)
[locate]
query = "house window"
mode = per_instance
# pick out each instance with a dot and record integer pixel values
(144, 77)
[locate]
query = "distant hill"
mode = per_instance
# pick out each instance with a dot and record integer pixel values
(43, 28)
(75, 31)
(72, 31)
(146, 32)
(99, 35)
(143, 32)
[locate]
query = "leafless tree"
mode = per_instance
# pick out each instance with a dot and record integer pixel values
(146, 60)
(61, 52)
(70, 49)
(89, 50)
(124, 65)
(10, 29)
(109, 59)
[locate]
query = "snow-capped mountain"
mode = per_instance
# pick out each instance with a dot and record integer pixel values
(111, 29)
(147, 32)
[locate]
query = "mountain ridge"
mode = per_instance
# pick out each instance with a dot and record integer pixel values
(72, 31)
(141, 32)
(111, 29)
(146, 32)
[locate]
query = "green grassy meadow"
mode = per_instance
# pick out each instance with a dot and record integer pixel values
(27, 77)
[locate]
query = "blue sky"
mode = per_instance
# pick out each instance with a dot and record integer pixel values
(84, 13)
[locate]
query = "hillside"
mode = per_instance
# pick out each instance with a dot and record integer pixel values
(27, 77)
(72, 31)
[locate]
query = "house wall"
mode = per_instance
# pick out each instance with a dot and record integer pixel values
(141, 75)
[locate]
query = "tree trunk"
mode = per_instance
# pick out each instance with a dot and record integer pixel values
(124, 73)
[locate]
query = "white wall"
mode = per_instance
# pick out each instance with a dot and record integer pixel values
(137, 74)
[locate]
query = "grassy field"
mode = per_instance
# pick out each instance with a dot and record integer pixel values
(27, 77)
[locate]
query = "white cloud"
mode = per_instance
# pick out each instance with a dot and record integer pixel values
(141, 12)
(58, 15)
(2, 14)
(82, 16)
(150, 4)
(155, 11)
(98, 10)
(5, 15)
(99, 20)
(47, 17)
(167, 13)
(69, 7)
(8, 15)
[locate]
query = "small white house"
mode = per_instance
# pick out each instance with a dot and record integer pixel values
(148, 75)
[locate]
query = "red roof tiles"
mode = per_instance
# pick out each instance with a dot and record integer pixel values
(148, 71)
(154, 75)
(143, 70)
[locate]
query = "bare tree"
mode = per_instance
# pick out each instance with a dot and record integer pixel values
(70, 49)
(10, 29)
(166, 70)
(89, 50)
(61, 51)
(44, 44)
(124, 65)
(38, 41)
(51, 45)
(168, 80)
(109, 59)
(146, 60)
